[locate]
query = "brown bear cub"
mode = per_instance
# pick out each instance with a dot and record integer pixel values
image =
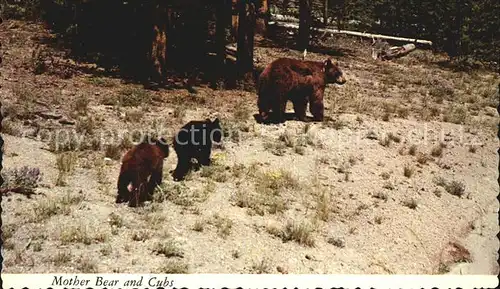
(141, 172)
(299, 81)
(194, 141)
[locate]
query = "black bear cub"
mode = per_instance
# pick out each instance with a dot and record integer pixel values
(141, 171)
(194, 141)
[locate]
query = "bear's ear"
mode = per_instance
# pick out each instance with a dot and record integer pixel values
(216, 121)
(327, 64)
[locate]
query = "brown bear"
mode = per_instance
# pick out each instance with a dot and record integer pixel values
(141, 171)
(299, 81)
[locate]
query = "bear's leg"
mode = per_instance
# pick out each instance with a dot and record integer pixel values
(183, 166)
(135, 195)
(263, 105)
(156, 180)
(204, 156)
(278, 108)
(316, 105)
(123, 190)
(299, 106)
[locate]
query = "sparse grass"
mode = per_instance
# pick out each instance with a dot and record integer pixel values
(337, 242)
(423, 158)
(134, 116)
(223, 225)
(386, 141)
(86, 125)
(301, 233)
(323, 206)
(106, 250)
(236, 254)
(394, 138)
(261, 267)
(61, 257)
(443, 268)
(388, 186)
(216, 171)
(287, 139)
(24, 177)
(169, 248)
(199, 226)
(335, 123)
(100, 81)
(66, 163)
(81, 105)
(408, 171)
(141, 235)
(174, 267)
(115, 220)
(381, 196)
(268, 195)
(437, 151)
(454, 188)
(87, 265)
(412, 150)
(180, 194)
(276, 148)
(457, 115)
(241, 111)
(410, 203)
(113, 152)
(36, 246)
(80, 234)
(134, 96)
(385, 175)
(472, 149)
(378, 220)
(47, 208)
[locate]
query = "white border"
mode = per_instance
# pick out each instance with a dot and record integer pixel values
(259, 281)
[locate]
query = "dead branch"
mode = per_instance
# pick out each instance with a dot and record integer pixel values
(354, 33)
(18, 190)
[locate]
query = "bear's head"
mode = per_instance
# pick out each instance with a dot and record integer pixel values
(333, 74)
(162, 144)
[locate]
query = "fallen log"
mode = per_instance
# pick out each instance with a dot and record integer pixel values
(394, 52)
(355, 33)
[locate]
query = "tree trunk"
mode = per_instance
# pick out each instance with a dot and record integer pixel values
(159, 43)
(305, 24)
(325, 12)
(246, 26)
(262, 19)
(1, 144)
(223, 15)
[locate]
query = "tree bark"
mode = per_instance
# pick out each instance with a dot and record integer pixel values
(325, 12)
(246, 26)
(1, 145)
(223, 17)
(159, 43)
(262, 18)
(305, 24)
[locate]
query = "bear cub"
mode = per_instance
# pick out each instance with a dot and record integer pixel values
(194, 141)
(141, 171)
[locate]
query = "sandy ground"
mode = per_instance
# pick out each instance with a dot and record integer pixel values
(371, 190)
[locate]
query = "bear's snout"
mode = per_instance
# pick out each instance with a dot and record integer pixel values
(341, 80)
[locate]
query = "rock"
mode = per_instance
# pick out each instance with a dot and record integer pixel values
(49, 115)
(282, 270)
(67, 121)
